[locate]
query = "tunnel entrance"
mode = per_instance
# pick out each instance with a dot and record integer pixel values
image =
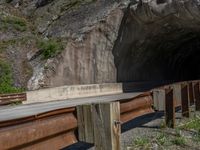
(159, 42)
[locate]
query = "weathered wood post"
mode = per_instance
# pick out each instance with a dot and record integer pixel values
(184, 100)
(197, 96)
(107, 128)
(191, 93)
(177, 94)
(191, 98)
(85, 123)
(169, 108)
(100, 124)
(159, 99)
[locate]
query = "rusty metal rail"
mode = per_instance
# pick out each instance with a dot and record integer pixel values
(6, 99)
(56, 129)
(136, 107)
(51, 130)
(185, 95)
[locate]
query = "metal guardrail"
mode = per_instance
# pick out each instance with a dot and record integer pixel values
(51, 130)
(136, 107)
(56, 129)
(6, 99)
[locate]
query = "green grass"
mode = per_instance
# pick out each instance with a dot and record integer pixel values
(181, 141)
(193, 124)
(50, 48)
(141, 142)
(178, 139)
(6, 81)
(13, 22)
(183, 136)
(162, 139)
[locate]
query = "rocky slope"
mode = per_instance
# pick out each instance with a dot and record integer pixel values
(86, 28)
(57, 42)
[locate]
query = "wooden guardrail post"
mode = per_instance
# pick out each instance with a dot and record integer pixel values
(177, 94)
(107, 128)
(197, 95)
(85, 123)
(100, 124)
(159, 99)
(169, 108)
(191, 93)
(184, 100)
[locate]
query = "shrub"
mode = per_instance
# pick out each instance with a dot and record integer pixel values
(179, 141)
(13, 22)
(6, 81)
(141, 141)
(50, 48)
(161, 139)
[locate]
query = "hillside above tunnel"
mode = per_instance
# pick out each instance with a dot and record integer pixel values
(47, 43)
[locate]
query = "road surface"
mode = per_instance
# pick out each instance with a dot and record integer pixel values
(21, 111)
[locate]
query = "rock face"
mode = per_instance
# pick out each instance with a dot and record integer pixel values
(88, 30)
(114, 41)
(88, 56)
(157, 40)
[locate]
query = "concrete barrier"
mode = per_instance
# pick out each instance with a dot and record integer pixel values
(73, 91)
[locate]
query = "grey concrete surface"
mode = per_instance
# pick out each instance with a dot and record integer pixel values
(16, 112)
(72, 91)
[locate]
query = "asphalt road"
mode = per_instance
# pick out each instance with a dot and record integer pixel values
(21, 111)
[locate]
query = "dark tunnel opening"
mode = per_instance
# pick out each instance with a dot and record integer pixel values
(158, 46)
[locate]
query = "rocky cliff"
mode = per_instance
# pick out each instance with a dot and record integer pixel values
(87, 30)
(102, 40)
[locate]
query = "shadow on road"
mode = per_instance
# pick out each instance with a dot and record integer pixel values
(79, 146)
(139, 121)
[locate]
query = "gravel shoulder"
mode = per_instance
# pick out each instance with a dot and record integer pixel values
(150, 133)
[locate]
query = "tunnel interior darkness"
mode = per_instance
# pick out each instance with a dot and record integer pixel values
(155, 46)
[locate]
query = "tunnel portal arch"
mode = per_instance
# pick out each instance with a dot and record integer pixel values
(159, 40)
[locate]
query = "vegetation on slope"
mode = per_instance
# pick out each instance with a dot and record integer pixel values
(6, 81)
(50, 48)
(13, 22)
